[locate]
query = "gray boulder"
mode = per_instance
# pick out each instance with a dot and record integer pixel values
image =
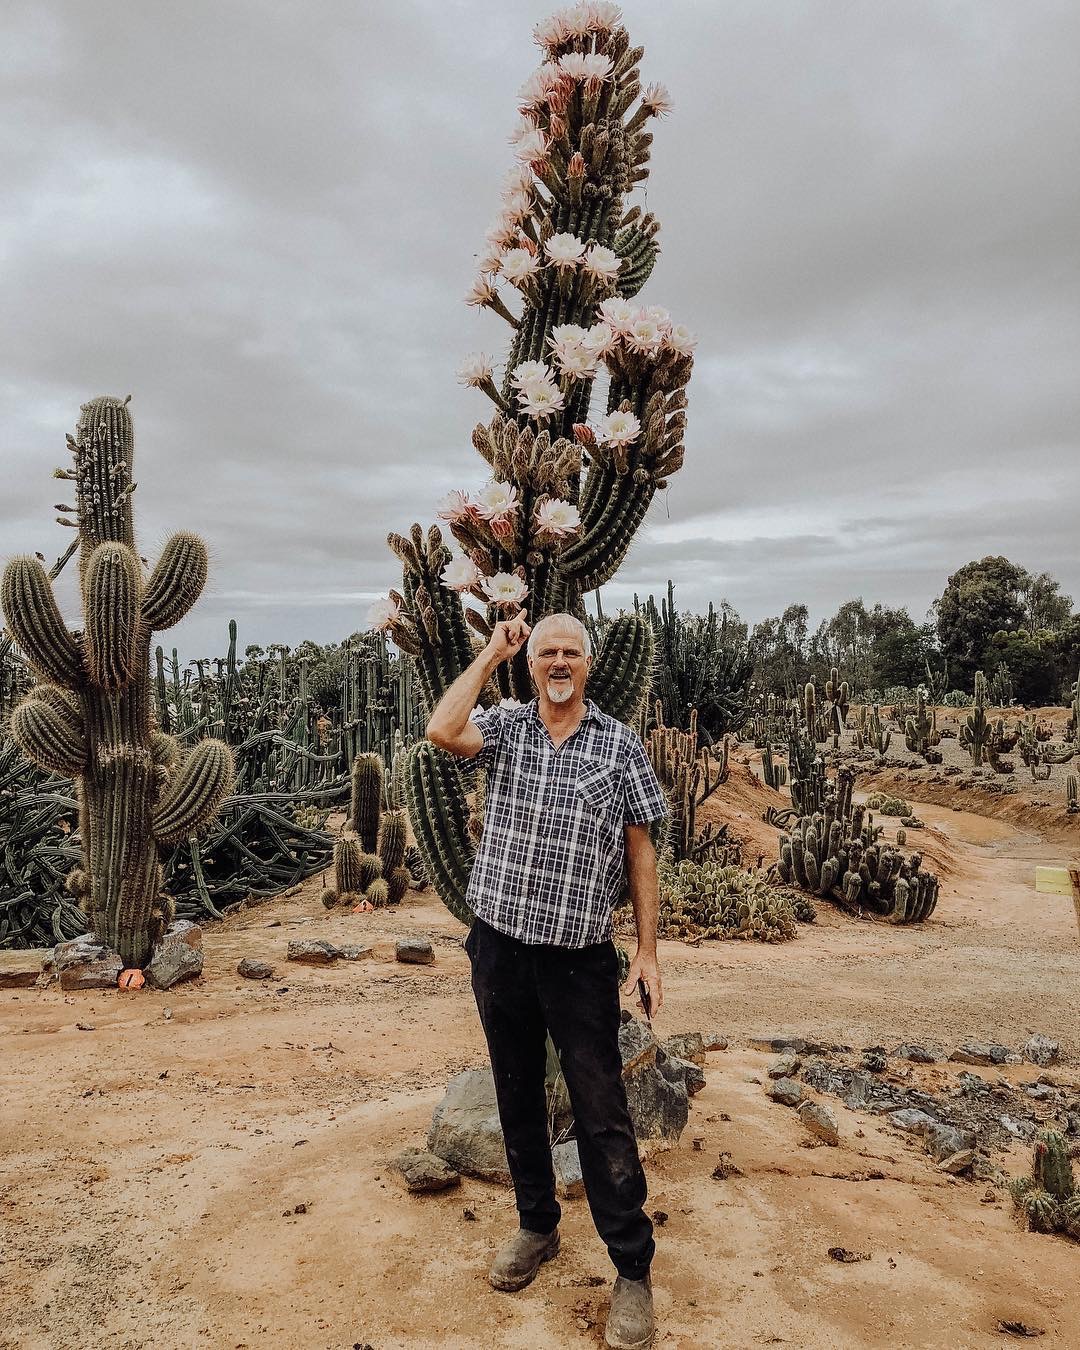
(415, 951)
(83, 963)
(569, 1183)
(714, 1040)
(251, 969)
(465, 1129)
(686, 1045)
(655, 1091)
(784, 1065)
(917, 1054)
(956, 1163)
(912, 1121)
(687, 1072)
(1041, 1050)
(943, 1141)
(312, 952)
(979, 1052)
(424, 1172)
(177, 956)
(820, 1122)
(786, 1091)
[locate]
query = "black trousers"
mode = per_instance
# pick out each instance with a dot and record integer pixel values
(523, 992)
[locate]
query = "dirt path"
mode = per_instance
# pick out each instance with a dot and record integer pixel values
(147, 1165)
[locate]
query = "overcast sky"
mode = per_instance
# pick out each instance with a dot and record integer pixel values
(260, 220)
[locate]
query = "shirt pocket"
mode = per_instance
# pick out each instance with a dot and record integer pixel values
(598, 786)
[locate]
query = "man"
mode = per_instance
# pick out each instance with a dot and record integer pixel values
(570, 796)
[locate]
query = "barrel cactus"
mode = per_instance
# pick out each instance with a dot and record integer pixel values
(568, 492)
(91, 717)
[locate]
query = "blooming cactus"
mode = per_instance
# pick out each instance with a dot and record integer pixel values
(563, 264)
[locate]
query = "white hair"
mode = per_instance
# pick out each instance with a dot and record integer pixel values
(569, 621)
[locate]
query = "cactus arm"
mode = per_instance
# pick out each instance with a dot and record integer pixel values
(33, 616)
(49, 737)
(437, 812)
(204, 780)
(111, 586)
(619, 678)
(176, 582)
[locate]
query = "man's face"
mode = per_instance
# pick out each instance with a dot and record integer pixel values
(559, 665)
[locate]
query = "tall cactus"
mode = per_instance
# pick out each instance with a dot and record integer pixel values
(976, 731)
(90, 718)
(568, 495)
(920, 729)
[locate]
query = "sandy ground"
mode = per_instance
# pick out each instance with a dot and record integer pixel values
(151, 1164)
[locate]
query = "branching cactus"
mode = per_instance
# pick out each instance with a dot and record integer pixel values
(920, 729)
(976, 730)
(689, 775)
(1048, 1199)
(90, 718)
(562, 266)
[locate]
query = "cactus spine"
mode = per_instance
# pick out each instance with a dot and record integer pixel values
(91, 717)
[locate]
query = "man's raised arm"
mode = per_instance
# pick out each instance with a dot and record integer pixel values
(449, 727)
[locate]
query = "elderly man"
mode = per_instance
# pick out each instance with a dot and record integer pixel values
(570, 796)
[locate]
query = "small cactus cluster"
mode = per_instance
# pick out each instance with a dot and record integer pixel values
(1048, 1199)
(711, 900)
(689, 775)
(837, 853)
(1072, 801)
(91, 717)
(871, 731)
(885, 805)
(369, 858)
(921, 733)
(774, 772)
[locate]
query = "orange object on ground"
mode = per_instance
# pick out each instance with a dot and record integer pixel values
(365, 907)
(131, 979)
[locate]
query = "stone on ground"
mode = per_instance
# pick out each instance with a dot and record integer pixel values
(251, 969)
(415, 951)
(655, 1091)
(784, 1065)
(423, 1172)
(979, 1052)
(569, 1184)
(1041, 1050)
(786, 1091)
(22, 969)
(83, 963)
(686, 1045)
(177, 956)
(312, 951)
(820, 1122)
(465, 1129)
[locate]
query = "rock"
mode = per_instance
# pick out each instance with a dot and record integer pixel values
(691, 1074)
(820, 1121)
(655, 1091)
(956, 1163)
(714, 1041)
(254, 970)
(355, 953)
(423, 1172)
(1019, 1129)
(985, 1170)
(22, 969)
(83, 963)
(786, 1091)
(415, 951)
(177, 956)
(819, 1075)
(312, 952)
(942, 1141)
(778, 1044)
(784, 1065)
(978, 1052)
(911, 1121)
(918, 1054)
(1072, 1122)
(569, 1184)
(859, 1091)
(1039, 1092)
(465, 1129)
(686, 1045)
(1041, 1050)
(875, 1060)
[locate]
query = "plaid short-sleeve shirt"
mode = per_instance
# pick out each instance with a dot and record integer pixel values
(551, 865)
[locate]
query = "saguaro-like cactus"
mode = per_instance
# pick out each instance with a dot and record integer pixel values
(90, 718)
(568, 493)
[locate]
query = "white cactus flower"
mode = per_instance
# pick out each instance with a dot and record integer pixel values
(530, 372)
(383, 614)
(460, 574)
(603, 263)
(475, 370)
(504, 588)
(497, 499)
(454, 506)
(618, 314)
(680, 339)
(540, 399)
(656, 100)
(558, 518)
(619, 428)
(531, 147)
(644, 336)
(518, 263)
(564, 250)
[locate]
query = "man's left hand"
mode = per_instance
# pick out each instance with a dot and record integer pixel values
(644, 967)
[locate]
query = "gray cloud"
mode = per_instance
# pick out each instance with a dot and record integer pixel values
(261, 220)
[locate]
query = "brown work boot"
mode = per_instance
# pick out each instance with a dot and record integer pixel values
(518, 1260)
(630, 1323)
